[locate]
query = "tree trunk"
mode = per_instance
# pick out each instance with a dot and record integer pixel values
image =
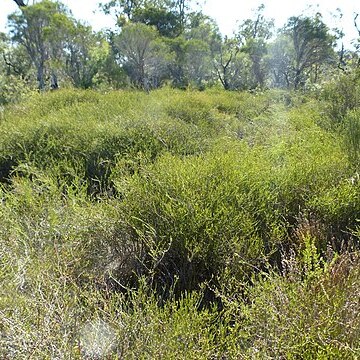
(258, 73)
(297, 79)
(20, 3)
(41, 76)
(54, 82)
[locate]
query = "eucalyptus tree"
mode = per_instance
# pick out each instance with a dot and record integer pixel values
(280, 62)
(15, 79)
(35, 28)
(228, 64)
(168, 16)
(312, 45)
(57, 45)
(166, 22)
(193, 52)
(122, 9)
(203, 40)
(13, 59)
(142, 54)
(240, 61)
(85, 55)
(253, 36)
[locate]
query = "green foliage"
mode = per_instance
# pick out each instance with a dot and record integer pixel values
(36, 29)
(342, 96)
(143, 54)
(287, 318)
(312, 45)
(158, 42)
(12, 89)
(166, 22)
(178, 224)
(338, 208)
(207, 215)
(95, 130)
(352, 137)
(342, 100)
(59, 47)
(253, 34)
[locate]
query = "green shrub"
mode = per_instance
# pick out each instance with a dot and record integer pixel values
(94, 130)
(318, 319)
(235, 205)
(341, 96)
(195, 216)
(338, 209)
(352, 138)
(244, 197)
(191, 109)
(13, 89)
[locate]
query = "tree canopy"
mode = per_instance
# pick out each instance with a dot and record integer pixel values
(167, 41)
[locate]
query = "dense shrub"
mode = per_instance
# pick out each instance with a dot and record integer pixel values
(352, 138)
(93, 130)
(13, 89)
(196, 215)
(315, 319)
(224, 226)
(342, 96)
(236, 206)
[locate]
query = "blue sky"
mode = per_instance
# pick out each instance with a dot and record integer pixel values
(225, 12)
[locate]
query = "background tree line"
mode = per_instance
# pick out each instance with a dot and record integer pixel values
(160, 42)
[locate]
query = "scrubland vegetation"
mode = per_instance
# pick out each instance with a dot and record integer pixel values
(181, 224)
(148, 212)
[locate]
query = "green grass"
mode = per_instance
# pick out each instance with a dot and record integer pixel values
(179, 224)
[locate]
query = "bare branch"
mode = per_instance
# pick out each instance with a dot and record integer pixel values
(355, 23)
(12, 66)
(342, 63)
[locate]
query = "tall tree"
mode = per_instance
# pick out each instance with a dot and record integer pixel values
(253, 35)
(203, 42)
(58, 45)
(33, 28)
(225, 64)
(142, 54)
(280, 59)
(168, 16)
(193, 52)
(122, 9)
(78, 52)
(14, 68)
(312, 44)
(166, 22)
